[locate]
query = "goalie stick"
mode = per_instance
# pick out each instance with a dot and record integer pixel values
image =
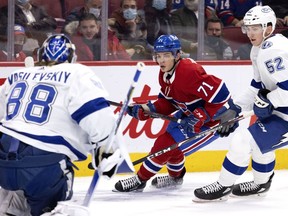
(98, 172)
(152, 114)
(197, 136)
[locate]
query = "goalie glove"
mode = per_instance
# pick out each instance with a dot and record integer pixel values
(227, 112)
(106, 162)
(263, 107)
(137, 110)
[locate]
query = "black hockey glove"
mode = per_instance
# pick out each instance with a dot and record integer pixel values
(227, 112)
(107, 161)
(263, 107)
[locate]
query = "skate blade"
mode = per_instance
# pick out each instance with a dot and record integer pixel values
(174, 187)
(134, 191)
(249, 196)
(221, 199)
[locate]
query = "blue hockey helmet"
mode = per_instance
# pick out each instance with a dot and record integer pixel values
(57, 48)
(167, 43)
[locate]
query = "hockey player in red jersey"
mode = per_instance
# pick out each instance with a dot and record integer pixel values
(195, 97)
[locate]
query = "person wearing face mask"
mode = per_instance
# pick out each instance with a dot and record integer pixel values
(35, 20)
(130, 27)
(184, 24)
(215, 48)
(72, 19)
(19, 40)
(157, 16)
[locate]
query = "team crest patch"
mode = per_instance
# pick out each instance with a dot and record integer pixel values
(266, 10)
(266, 44)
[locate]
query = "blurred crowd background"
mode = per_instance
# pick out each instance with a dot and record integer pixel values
(125, 30)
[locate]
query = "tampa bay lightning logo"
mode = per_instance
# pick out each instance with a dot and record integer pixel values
(266, 44)
(55, 46)
(266, 9)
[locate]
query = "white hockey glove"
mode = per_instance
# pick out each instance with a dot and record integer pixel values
(106, 162)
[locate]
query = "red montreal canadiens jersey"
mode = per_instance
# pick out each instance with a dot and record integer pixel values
(189, 87)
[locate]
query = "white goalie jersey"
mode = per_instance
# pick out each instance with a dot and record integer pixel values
(60, 109)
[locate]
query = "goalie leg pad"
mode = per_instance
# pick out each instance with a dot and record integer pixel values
(66, 208)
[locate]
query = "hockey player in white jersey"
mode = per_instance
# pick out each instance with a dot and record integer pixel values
(51, 115)
(268, 97)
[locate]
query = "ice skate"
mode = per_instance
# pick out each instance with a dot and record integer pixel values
(212, 192)
(130, 184)
(251, 188)
(168, 181)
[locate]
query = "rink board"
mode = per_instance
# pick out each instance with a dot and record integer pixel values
(140, 136)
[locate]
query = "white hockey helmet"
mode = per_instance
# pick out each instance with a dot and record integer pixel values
(262, 15)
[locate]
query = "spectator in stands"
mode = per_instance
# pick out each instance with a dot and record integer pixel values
(72, 19)
(129, 24)
(19, 40)
(176, 4)
(184, 24)
(35, 20)
(158, 20)
(88, 41)
(285, 32)
(280, 7)
(210, 9)
(243, 52)
(215, 48)
(231, 12)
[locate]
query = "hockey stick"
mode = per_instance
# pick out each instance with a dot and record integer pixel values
(197, 136)
(152, 114)
(98, 172)
(29, 61)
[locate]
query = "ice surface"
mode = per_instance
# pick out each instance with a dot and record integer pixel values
(178, 202)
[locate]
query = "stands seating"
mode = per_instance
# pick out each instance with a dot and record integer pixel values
(54, 8)
(71, 4)
(3, 3)
(235, 37)
(59, 9)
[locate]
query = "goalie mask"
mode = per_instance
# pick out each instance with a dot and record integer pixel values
(57, 48)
